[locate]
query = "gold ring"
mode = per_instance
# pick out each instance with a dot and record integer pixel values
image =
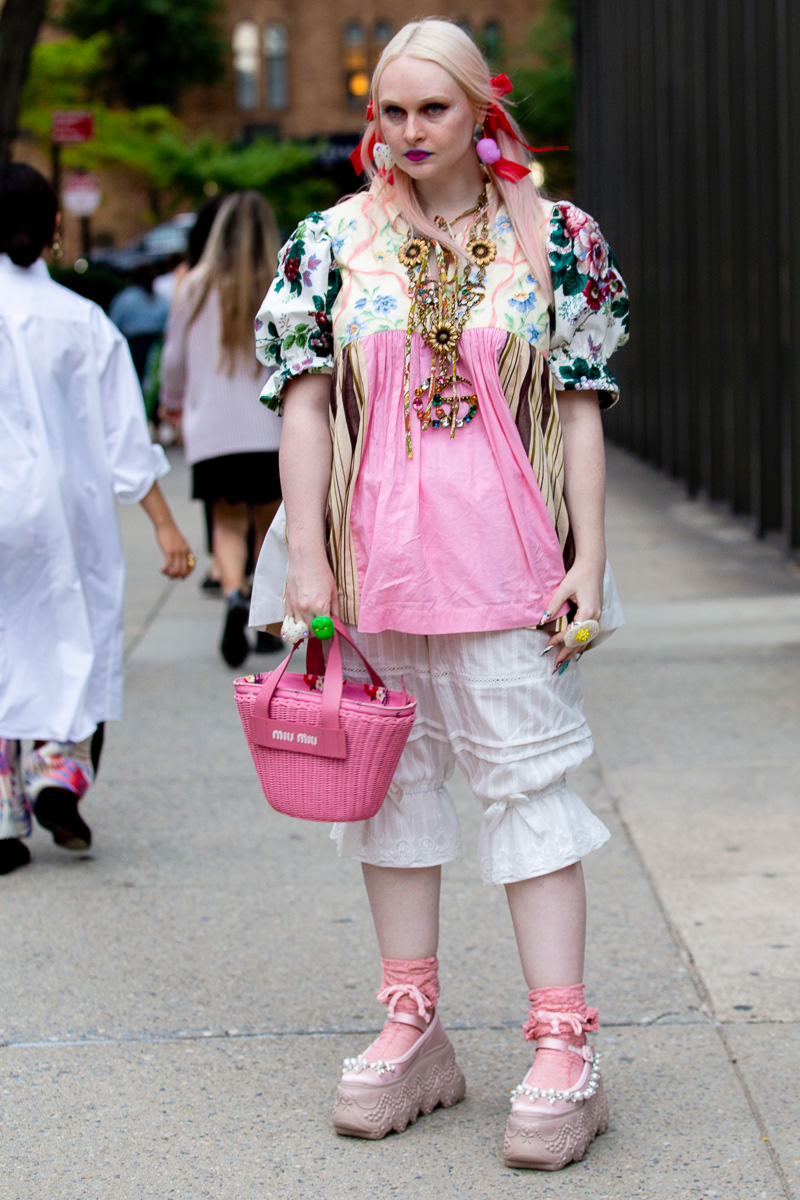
(191, 561)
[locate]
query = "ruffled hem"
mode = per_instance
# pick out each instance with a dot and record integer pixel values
(525, 836)
(414, 828)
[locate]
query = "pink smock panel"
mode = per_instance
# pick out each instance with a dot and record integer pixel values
(458, 538)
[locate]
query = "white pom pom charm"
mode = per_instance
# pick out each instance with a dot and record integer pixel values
(293, 631)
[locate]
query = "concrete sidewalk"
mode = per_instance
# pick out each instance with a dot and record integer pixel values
(175, 1004)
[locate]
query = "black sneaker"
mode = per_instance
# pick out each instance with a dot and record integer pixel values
(234, 646)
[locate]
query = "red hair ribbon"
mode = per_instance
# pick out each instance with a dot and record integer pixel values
(357, 158)
(497, 119)
(502, 85)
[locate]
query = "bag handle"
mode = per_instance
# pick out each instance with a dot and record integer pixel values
(315, 660)
(333, 679)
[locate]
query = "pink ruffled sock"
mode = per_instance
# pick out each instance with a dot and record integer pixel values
(559, 1012)
(408, 986)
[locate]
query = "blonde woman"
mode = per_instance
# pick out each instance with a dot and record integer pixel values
(438, 344)
(209, 374)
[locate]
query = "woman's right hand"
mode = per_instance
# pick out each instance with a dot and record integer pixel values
(310, 588)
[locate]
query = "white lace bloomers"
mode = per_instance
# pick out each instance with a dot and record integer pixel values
(490, 703)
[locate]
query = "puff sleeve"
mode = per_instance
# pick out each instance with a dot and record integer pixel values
(590, 307)
(293, 325)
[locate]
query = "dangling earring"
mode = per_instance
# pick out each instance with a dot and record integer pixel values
(488, 150)
(383, 156)
(56, 248)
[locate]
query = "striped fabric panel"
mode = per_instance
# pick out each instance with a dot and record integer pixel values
(530, 391)
(348, 411)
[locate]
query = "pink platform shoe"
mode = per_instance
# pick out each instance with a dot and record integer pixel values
(547, 1129)
(374, 1097)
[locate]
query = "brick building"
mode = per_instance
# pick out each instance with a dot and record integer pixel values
(301, 69)
(298, 69)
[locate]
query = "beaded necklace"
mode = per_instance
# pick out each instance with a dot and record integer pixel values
(439, 309)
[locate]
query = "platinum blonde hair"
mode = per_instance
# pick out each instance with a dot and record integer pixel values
(444, 43)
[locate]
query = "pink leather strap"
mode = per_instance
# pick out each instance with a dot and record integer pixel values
(413, 1019)
(550, 1043)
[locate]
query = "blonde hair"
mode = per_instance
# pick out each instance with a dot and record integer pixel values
(239, 261)
(444, 43)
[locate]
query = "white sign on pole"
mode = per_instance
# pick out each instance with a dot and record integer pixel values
(81, 194)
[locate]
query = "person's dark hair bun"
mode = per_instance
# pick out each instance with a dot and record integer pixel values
(21, 250)
(28, 209)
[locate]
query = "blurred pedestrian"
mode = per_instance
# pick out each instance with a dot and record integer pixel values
(210, 375)
(140, 313)
(73, 440)
(210, 584)
(439, 344)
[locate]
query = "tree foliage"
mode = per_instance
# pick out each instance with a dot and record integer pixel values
(155, 47)
(545, 92)
(151, 144)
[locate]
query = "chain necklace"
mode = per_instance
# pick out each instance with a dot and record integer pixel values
(439, 310)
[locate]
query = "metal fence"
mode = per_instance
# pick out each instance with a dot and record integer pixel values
(688, 138)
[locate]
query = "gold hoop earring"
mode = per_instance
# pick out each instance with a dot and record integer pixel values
(56, 248)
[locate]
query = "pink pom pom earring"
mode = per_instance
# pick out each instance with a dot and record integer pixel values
(488, 150)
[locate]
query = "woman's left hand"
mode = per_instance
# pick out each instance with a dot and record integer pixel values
(583, 586)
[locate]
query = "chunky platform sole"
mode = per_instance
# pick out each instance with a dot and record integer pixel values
(369, 1111)
(542, 1143)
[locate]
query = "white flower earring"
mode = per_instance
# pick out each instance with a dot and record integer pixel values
(383, 156)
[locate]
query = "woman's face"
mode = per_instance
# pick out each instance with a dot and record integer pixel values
(426, 119)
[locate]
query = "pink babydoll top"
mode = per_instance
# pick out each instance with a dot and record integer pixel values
(470, 533)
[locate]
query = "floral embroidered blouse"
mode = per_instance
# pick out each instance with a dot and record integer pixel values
(470, 533)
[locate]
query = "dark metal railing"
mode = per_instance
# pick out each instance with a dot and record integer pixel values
(688, 139)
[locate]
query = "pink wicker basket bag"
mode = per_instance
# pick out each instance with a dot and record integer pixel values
(324, 749)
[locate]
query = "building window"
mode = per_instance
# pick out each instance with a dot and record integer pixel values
(245, 63)
(381, 34)
(492, 41)
(354, 61)
(276, 62)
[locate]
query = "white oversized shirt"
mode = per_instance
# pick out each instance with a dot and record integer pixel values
(73, 440)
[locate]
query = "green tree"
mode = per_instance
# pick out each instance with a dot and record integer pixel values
(545, 93)
(155, 47)
(151, 144)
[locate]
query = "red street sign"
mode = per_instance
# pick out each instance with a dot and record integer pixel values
(71, 128)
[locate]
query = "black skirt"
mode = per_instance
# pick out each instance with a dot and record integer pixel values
(251, 478)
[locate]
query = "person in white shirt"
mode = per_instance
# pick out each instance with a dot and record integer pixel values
(73, 441)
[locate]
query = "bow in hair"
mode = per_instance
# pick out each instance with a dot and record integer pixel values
(495, 120)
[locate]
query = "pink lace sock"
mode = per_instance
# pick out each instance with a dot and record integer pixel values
(562, 1013)
(408, 986)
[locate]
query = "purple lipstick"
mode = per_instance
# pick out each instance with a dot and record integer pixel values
(417, 155)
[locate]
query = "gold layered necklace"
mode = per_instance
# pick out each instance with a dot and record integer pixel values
(440, 308)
